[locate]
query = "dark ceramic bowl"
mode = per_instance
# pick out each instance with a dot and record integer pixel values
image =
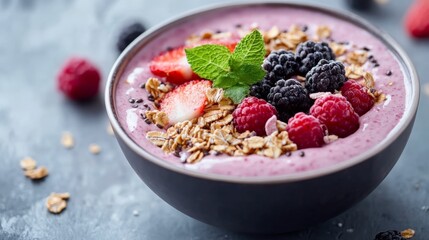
(267, 204)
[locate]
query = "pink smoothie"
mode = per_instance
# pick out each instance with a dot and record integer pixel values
(374, 125)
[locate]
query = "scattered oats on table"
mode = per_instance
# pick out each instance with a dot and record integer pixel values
(109, 129)
(56, 202)
(36, 174)
(28, 163)
(408, 233)
(67, 140)
(94, 149)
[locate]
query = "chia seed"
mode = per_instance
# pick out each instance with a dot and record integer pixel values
(159, 126)
(288, 154)
(139, 100)
(143, 85)
(389, 73)
(366, 49)
(238, 25)
(302, 154)
(150, 98)
(304, 28)
(131, 100)
(148, 121)
(218, 31)
(370, 57)
(376, 65)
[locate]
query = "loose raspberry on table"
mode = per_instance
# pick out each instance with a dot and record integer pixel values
(252, 114)
(326, 76)
(358, 96)
(389, 235)
(78, 79)
(337, 114)
(305, 131)
(309, 53)
(261, 89)
(280, 64)
(128, 34)
(289, 97)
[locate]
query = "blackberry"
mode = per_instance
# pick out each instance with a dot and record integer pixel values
(326, 76)
(128, 34)
(289, 97)
(280, 64)
(261, 89)
(309, 53)
(389, 235)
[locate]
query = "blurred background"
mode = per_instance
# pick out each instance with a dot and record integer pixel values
(108, 200)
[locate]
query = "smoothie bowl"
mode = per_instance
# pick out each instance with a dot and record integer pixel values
(263, 117)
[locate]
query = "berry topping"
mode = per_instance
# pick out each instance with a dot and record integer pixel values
(417, 21)
(261, 89)
(229, 43)
(280, 64)
(358, 96)
(337, 114)
(289, 97)
(326, 76)
(128, 34)
(310, 53)
(305, 131)
(174, 66)
(185, 102)
(389, 235)
(252, 114)
(79, 79)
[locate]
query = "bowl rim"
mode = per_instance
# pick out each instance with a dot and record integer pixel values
(135, 46)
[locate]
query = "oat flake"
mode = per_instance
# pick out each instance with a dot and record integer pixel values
(67, 140)
(37, 173)
(28, 163)
(94, 149)
(56, 202)
(408, 233)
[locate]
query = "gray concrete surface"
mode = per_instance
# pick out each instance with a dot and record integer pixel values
(35, 39)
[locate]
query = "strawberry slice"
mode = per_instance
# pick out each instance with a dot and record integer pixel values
(174, 66)
(186, 102)
(417, 20)
(229, 43)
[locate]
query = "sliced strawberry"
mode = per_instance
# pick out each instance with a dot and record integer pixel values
(417, 20)
(229, 43)
(186, 102)
(173, 66)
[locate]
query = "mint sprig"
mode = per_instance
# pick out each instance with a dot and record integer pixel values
(234, 72)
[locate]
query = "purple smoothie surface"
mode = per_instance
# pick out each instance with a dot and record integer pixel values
(375, 125)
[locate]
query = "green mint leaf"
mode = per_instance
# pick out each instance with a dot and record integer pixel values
(250, 50)
(209, 61)
(248, 74)
(228, 80)
(237, 93)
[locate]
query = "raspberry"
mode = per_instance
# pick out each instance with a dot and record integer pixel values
(128, 34)
(252, 114)
(326, 76)
(305, 131)
(280, 64)
(389, 235)
(416, 19)
(309, 53)
(358, 96)
(78, 79)
(261, 89)
(289, 97)
(337, 114)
